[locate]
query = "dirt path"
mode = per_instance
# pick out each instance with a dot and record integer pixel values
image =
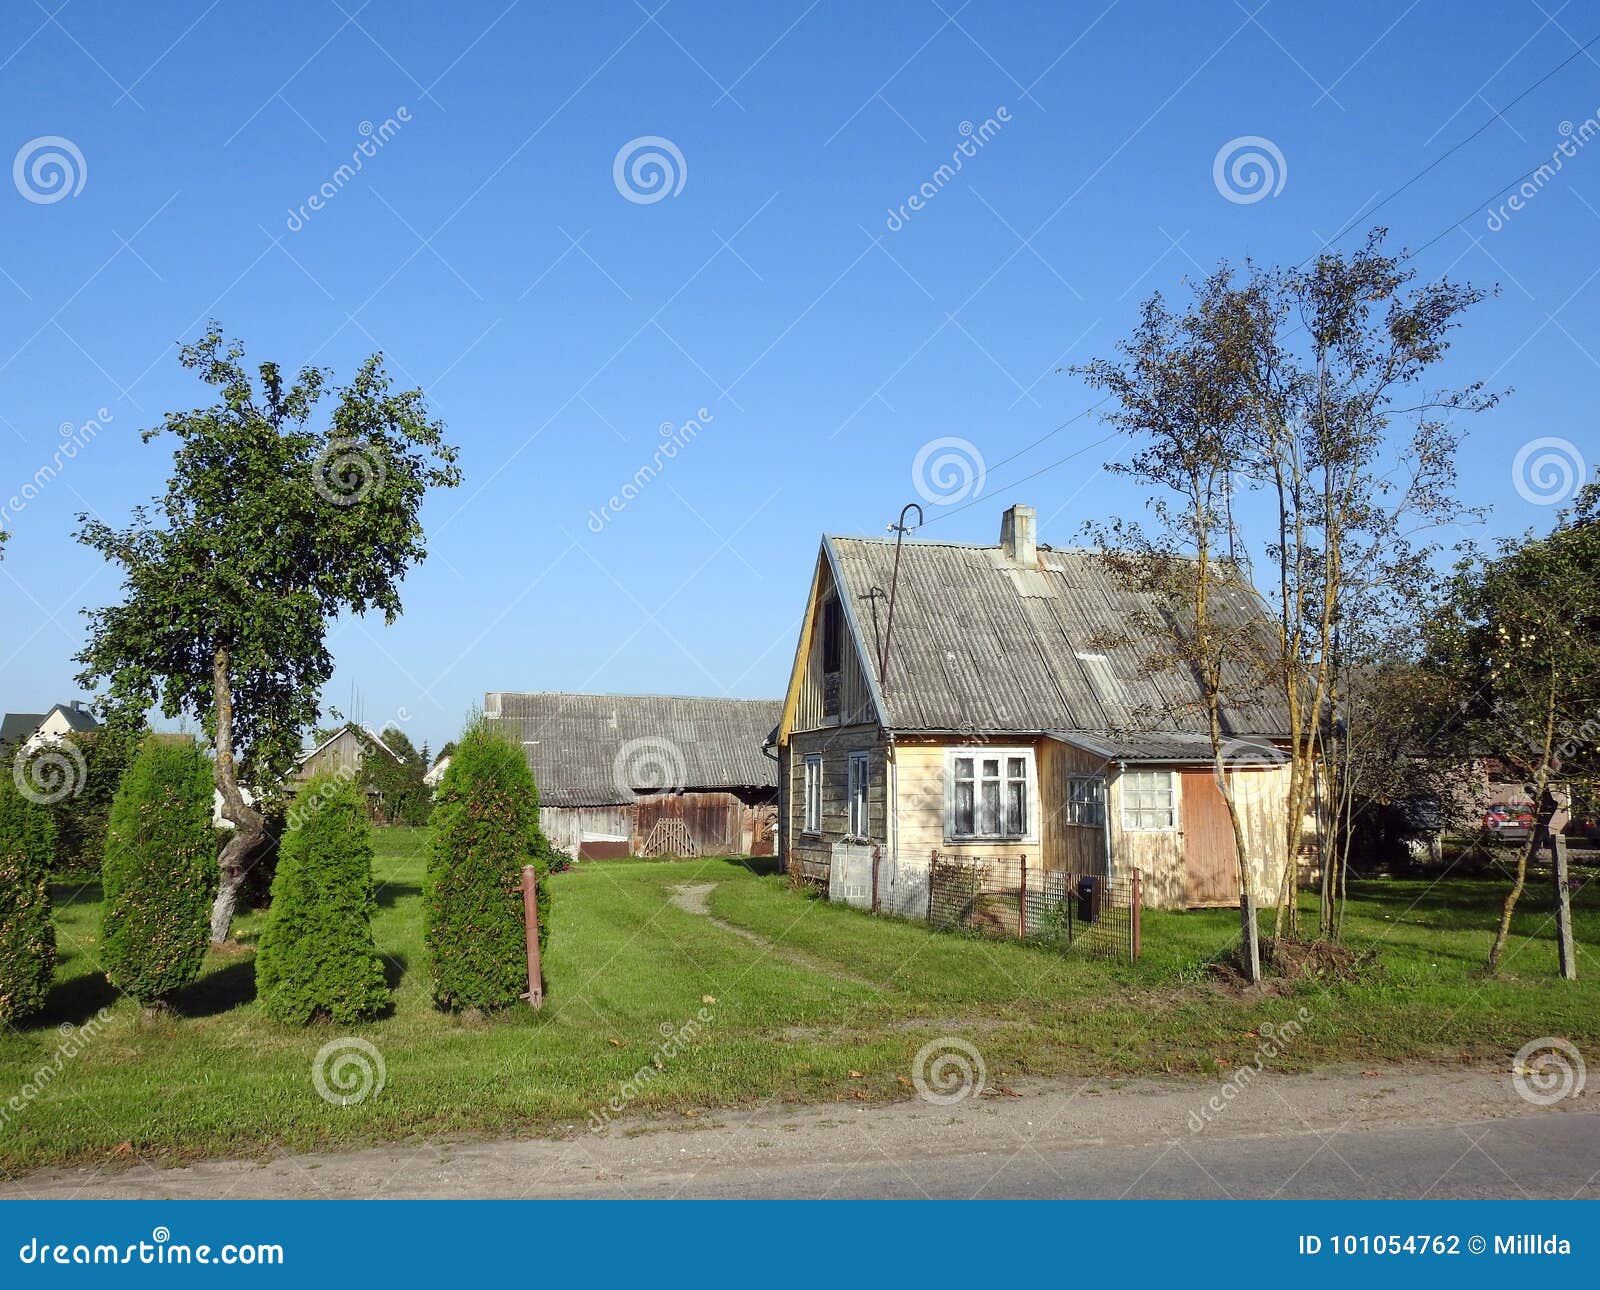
(695, 898)
(1086, 1131)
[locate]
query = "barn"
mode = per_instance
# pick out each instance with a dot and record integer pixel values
(646, 774)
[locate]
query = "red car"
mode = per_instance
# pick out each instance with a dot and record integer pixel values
(1507, 823)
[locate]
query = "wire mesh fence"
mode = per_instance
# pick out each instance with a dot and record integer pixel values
(1011, 898)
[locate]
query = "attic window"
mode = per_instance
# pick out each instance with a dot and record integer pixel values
(832, 635)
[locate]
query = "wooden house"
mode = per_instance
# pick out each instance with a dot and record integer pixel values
(633, 774)
(342, 755)
(1007, 728)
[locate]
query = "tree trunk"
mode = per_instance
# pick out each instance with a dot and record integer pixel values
(1541, 782)
(249, 828)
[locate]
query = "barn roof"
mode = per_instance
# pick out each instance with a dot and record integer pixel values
(604, 749)
(983, 644)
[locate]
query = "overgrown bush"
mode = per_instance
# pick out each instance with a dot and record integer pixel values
(160, 872)
(27, 934)
(485, 828)
(317, 957)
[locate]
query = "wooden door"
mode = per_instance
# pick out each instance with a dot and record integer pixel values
(1210, 858)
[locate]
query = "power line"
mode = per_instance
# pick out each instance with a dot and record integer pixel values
(1451, 151)
(1359, 219)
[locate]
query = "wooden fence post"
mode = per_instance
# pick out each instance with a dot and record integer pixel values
(530, 922)
(1022, 901)
(933, 868)
(877, 860)
(1569, 963)
(1136, 901)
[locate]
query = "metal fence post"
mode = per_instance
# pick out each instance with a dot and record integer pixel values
(530, 920)
(1022, 900)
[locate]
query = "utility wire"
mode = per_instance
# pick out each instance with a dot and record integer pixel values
(1359, 219)
(1449, 152)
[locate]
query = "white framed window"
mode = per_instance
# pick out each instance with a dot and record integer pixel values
(1086, 800)
(813, 794)
(1149, 801)
(988, 794)
(859, 778)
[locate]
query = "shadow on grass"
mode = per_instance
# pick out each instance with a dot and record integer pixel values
(73, 1002)
(395, 967)
(760, 866)
(217, 992)
(390, 894)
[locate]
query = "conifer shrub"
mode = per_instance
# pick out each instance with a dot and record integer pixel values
(317, 958)
(27, 933)
(485, 828)
(160, 872)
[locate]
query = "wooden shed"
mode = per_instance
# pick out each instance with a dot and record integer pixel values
(1016, 723)
(645, 774)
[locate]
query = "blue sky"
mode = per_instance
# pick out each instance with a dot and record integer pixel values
(557, 322)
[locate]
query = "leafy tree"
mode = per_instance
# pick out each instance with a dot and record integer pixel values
(159, 872)
(485, 829)
(1519, 638)
(317, 957)
(27, 932)
(399, 778)
(280, 514)
(81, 817)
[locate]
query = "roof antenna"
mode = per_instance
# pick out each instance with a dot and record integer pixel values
(899, 530)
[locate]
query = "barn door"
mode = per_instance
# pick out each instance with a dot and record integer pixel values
(1211, 865)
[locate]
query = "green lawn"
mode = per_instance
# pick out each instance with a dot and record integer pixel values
(838, 1010)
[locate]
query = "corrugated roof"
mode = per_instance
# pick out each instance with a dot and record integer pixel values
(979, 648)
(602, 749)
(1167, 746)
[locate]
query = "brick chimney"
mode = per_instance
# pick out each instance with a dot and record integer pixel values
(1019, 537)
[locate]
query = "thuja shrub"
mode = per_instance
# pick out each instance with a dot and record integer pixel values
(317, 958)
(27, 933)
(160, 872)
(485, 829)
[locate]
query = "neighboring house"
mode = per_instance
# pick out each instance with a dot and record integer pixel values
(27, 731)
(342, 755)
(432, 778)
(1014, 724)
(626, 774)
